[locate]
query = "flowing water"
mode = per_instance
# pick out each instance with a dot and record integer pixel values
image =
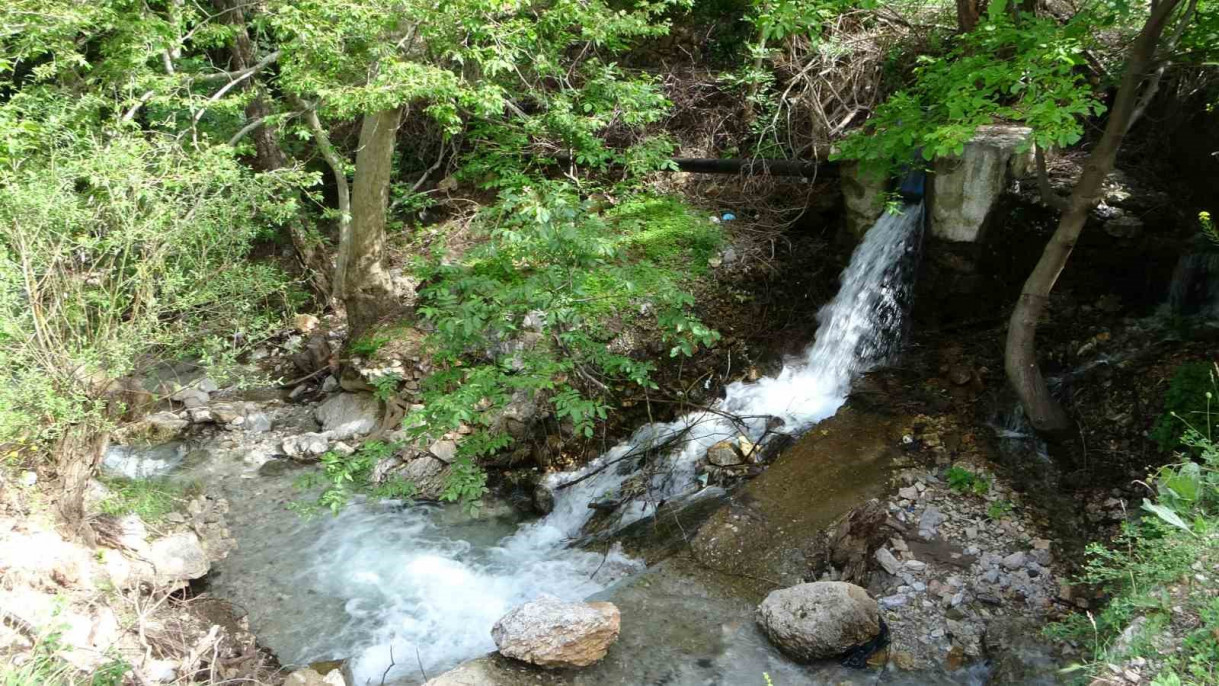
(425, 585)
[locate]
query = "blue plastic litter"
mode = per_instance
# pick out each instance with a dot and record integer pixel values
(728, 216)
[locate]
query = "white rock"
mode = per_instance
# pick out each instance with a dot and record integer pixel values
(549, 632)
(347, 415)
(886, 560)
(305, 445)
(819, 620)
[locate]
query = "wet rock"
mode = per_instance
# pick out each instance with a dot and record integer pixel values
(305, 446)
(1126, 226)
(257, 422)
(549, 632)
(163, 426)
(427, 473)
(819, 620)
(968, 187)
(724, 454)
(347, 415)
(543, 500)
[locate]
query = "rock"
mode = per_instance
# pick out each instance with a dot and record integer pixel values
(724, 454)
(257, 423)
(330, 384)
(967, 188)
(929, 522)
(200, 415)
(178, 557)
(960, 374)
(1014, 561)
(476, 672)
(163, 426)
(886, 560)
(191, 397)
(309, 677)
(819, 620)
(891, 601)
(445, 450)
(304, 323)
(549, 632)
(909, 493)
(1126, 226)
(160, 671)
(226, 413)
(305, 446)
(543, 499)
(347, 415)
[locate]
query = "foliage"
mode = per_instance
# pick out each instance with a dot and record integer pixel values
(999, 509)
(1038, 84)
(151, 499)
(1207, 227)
(344, 476)
(962, 480)
(40, 666)
(580, 273)
(1192, 400)
(116, 247)
(1160, 573)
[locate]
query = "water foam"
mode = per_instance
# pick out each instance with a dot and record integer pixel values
(410, 584)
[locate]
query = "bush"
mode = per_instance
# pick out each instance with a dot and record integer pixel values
(116, 249)
(1192, 400)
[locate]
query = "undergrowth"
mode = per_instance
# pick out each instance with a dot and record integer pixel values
(151, 499)
(1161, 575)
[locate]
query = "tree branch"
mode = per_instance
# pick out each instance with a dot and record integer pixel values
(1153, 82)
(340, 181)
(240, 74)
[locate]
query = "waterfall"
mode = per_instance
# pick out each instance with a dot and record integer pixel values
(407, 583)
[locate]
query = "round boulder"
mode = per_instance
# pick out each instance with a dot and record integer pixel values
(549, 632)
(820, 620)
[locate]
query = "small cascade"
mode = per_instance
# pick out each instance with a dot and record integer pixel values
(426, 592)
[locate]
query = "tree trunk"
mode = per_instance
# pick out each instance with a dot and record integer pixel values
(1020, 358)
(367, 289)
(78, 455)
(968, 14)
(268, 155)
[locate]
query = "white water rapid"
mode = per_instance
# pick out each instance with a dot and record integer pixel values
(378, 578)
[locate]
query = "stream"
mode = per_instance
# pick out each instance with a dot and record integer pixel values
(404, 591)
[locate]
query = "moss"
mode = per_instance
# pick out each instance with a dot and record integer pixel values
(151, 499)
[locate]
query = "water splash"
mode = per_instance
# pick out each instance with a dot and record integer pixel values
(406, 581)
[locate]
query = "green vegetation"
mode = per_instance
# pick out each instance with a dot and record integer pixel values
(343, 476)
(962, 480)
(1192, 401)
(151, 499)
(1162, 576)
(999, 509)
(41, 667)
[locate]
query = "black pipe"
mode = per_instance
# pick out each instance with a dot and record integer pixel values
(745, 165)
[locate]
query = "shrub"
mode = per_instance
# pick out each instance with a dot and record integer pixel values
(1192, 400)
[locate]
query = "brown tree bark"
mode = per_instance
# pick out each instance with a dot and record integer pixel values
(78, 456)
(968, 14)
(367, 289)
(1020, 359)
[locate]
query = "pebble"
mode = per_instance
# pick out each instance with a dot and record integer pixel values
(886, 560)
(916, 565)
(892, 601)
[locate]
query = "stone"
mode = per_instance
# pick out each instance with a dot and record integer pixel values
(304, 323)
(226, 413)
(330, 384)
(1126, 226)
(819, 620)
(164, 426)
(929, 522)
(477, 672)
(200, 415)
(1014, 561)
(347, 415)
(909, 493)
(309, 677)
(305, 446)
(724, 454)
(968, 187)
(178, 557)
(886, 560)
(191, 397)
(551, 633)
(891, 601)
(207, 385)
(445, 450)
(257, 423)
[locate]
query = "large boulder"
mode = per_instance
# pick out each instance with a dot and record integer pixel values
(178, 557)
(549, 632)
(820, 620)
(347, 415)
